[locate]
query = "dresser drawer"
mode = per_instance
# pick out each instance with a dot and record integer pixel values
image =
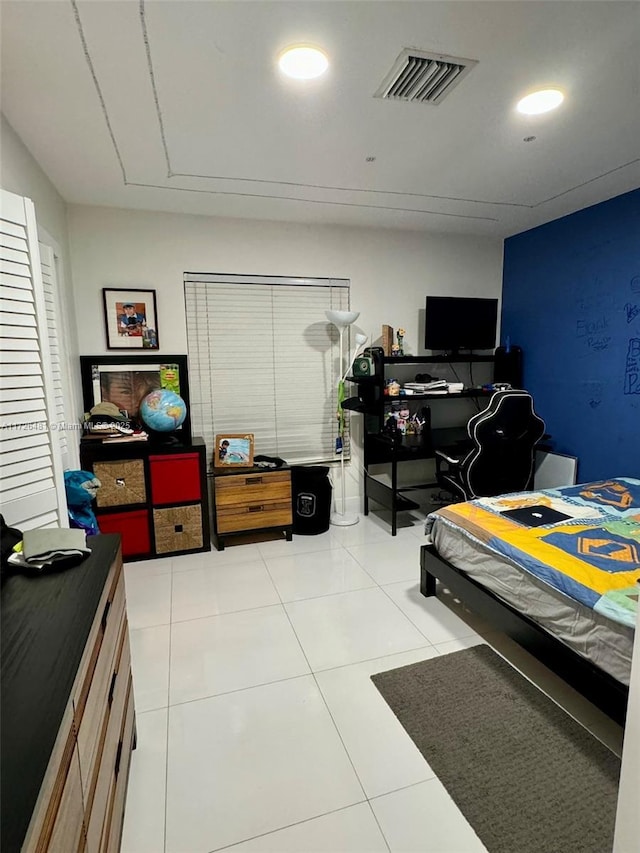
(97, 813)
(112, 832)
(69, 828)
(56, 803)
(90, 715)
(245, 489)
(254, 516)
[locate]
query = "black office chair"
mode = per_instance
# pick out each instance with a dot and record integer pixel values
(501, 459)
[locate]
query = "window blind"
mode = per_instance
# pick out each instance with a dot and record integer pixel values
(31, 481)
(263, 359)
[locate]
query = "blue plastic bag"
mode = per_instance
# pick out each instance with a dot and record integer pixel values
(81, 488)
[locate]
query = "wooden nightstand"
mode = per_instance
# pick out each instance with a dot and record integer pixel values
(250, 500)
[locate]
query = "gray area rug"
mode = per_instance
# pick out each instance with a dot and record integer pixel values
(526, 776)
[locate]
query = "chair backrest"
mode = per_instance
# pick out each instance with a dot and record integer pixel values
(504, 437)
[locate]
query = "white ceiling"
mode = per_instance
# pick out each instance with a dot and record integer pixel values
(178, 106)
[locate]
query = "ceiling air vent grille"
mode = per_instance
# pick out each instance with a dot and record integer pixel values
(424, 78)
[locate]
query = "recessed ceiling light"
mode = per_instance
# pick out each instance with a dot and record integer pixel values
(303, 62)
(540, 102)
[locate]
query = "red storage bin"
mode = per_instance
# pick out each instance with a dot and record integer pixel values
(133, 528)
(175, 478)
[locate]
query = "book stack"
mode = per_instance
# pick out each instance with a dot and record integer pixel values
(435, 386)
(137, 435)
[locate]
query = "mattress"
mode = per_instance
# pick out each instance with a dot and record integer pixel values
(576, 577)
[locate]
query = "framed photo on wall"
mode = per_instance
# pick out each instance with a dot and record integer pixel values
(131, 319)
(233, 450)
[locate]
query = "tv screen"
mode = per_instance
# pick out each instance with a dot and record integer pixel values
(456, 323)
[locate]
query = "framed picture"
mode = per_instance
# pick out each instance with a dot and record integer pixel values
(126, 379)
(233, 450)
(130, 318)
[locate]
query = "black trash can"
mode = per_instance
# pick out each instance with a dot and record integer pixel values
(311, 498)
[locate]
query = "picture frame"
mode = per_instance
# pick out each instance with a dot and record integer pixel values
(130, 318)
(126, 379)
(233, 450)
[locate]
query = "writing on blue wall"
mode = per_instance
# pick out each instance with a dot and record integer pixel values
(571, 300)
(632, 373)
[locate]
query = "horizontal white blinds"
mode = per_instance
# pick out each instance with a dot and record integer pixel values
(31, 486)
(263, 359)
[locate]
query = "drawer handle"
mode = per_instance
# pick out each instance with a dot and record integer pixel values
(257, 508)
(105, 615)
(118, 757)
(253, 481)
(112, 688)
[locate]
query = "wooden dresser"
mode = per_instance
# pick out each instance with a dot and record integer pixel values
(68, 724)
(249, 500)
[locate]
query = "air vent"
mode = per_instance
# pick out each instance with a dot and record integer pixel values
(424, 78)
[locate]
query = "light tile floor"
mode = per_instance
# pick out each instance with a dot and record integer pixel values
(259, 728)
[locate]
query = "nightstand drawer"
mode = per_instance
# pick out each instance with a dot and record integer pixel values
(254, 516)
(244, 489)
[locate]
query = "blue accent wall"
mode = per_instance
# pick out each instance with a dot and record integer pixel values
(571, 300)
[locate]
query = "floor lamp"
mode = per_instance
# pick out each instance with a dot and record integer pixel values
(342, 319)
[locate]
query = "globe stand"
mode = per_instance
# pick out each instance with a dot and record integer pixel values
(163, 439)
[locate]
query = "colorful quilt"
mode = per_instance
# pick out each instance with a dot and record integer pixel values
(593, 555)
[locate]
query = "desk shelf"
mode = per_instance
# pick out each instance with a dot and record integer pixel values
(380, 448)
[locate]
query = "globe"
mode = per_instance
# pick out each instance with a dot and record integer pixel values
(163, 410)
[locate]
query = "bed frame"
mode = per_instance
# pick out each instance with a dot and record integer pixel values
(596, 685)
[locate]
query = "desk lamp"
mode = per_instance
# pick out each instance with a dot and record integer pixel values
(342, 319)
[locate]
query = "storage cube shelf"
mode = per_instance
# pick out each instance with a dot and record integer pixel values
(154, 496)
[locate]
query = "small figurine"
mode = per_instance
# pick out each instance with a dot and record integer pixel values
(403, 417)
(400, 345)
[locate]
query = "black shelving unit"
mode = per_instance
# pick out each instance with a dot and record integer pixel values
(382, 448)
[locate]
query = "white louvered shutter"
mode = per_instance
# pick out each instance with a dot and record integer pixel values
(56, 347)
(263, 359)
(31, 480)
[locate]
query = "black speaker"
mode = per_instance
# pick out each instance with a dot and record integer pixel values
(508, 366)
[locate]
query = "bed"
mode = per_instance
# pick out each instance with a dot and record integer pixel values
(556, 569)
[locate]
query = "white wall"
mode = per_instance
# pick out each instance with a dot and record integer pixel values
(21, 174)
(391, 272)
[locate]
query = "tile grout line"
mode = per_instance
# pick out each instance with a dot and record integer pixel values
(321, 693)
(287, 826)
(282, 604)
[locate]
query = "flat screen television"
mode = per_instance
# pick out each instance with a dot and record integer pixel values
(455, 323)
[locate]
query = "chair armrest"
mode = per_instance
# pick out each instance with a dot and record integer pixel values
(443, 456)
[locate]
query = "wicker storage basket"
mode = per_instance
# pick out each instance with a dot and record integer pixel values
(122, 482)
(178, 528)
